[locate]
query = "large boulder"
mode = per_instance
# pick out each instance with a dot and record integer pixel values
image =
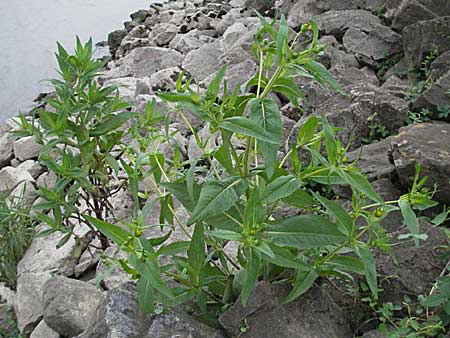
(436, 96)
(6, 150)
(26, 148)
(423, 37)
(29, 309)
(301, 12)
(43, 331)
(119, 316)
(11, 177)
(143, 61)
(409, 12)
(426, 261)
(202, 62)
(313, 315)
(69, 305)
(425, 144)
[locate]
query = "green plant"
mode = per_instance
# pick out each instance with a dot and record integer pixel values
(16, 233)
(377, 131)
(82, 144)
(233, 195)
(418, 117)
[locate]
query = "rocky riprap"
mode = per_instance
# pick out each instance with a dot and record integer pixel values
(368, 54)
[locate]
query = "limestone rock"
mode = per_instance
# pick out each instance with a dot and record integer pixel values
(118, 315)
(25, 192)
(426, 145)
(126, 87)
(26, 148)
(440, 66)
(69, 305)
(6, 150)
(43, 331)
(202, 62)
(163, 33)
(11, 177)
(29, 307)
(437, 95)
(410, 12)
(421, 38)
(33, 167)
(313, 315)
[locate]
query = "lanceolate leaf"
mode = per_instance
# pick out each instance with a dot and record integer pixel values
(252, 272)
(281, 187)
(341, 216)
(113, 232)
(146, 300)
(363, 251)
(288, 87)
(248, 127)
(411, 220)
(254, 211)
(322, 75)
(215, 198)
(302, 283)
(266, 114)
(330, 142)
(196, 252)
(214, 86)
(284, 258)
(305, 232)
(307, 131)
(110, 124)
(361, 184)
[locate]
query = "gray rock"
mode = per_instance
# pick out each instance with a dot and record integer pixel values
(373, 46)
(7, 319)
(27, 148)
(6, 150)
(118, 316)
(233, 34)
(373, 334)
(396, 86)
(421, 38)
(47, 179)
(69, 305)
(25, 192)
(425, 261)
(352, 113)
(33, 167)
(388, 191)
(374, 160)
(440, 66)
(29, 307)
(424, 144)
(163, 33)
(435, 96)
(185, 43)
(7, 295)
(313, 315)
(260, 5)
(164, 80)
(43, 331)
(302, 11)
(42, 255)
(115, 39)
(126, 87)
(112, 275)
(409, 12)
(143, 62)
(202, 62)
(11, 177)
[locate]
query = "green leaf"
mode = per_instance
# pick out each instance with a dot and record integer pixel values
(110, 124)
(181, 192)
(335, 210)
(215, 198)
(248, 127)
(281, 187)
(265, 249)
(174, 248)
(252, 272)
(254, 211)
(282, 40)
(322, 75)
(226, 234)
(307, 131)
(113, 232)
(149, 270)
(364, 253)
(348, 263)
(410, 219)
(361, 184)
(214, 86)
(266, 114)
(299, 199)
(145, 296)
(284, 258)
(305, 232)
(330, 142)
(196, 252)
(303, 282)
(288, 87)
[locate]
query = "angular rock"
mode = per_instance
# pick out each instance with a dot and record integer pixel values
(126, 87)
(373, 334)
(233, 34)
(202, 62)
(143, 62)
(7, 295)
(388, 191)
(259, 5)
(24, 193)
(115, 39)
(42, 255)
(410, 12)
(6, 150)
(313, 315)
(302, 11)
(27, 148)
(440, 66)
(164, 80)
(29, 309)
(396, 86)
(426, 261)
(375, 160)
(113, 275)
(118, 315)
(33, 167)
(11, 177)
(423, 37)
(185, 43)
(43, 331)
(424, 144)
(437, 95)
(163, 33)
(69, 305)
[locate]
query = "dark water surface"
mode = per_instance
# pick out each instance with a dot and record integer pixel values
(29, 30)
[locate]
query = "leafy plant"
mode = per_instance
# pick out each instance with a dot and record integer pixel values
(82, 143)
(418, 117)
(377, 131)
(16, 234)
(233, 196)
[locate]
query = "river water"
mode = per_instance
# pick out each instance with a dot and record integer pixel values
(29, 30)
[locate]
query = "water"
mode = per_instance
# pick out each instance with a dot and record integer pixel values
(29, 30)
